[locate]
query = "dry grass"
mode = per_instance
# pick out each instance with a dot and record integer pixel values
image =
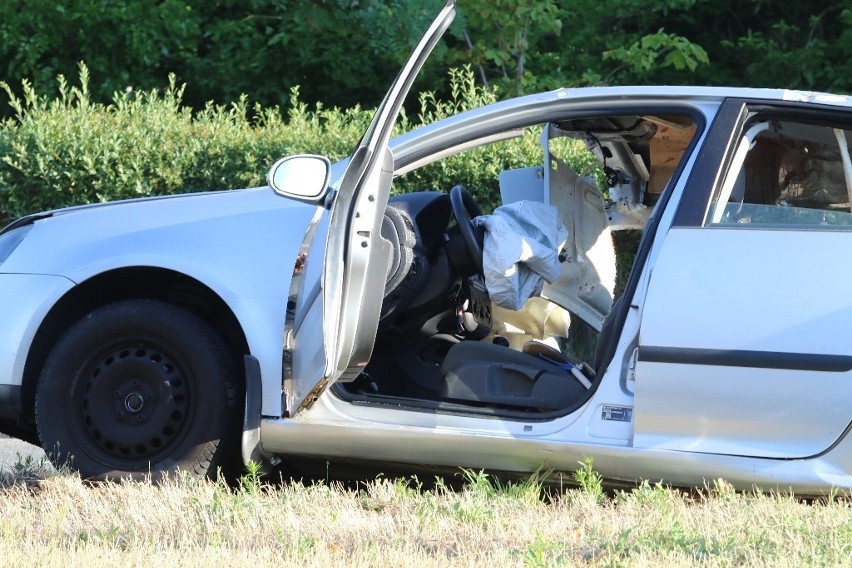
(58, 520)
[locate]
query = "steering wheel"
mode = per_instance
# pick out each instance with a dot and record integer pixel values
(464, 210)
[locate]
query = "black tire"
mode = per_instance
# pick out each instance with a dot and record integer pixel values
(138, 388)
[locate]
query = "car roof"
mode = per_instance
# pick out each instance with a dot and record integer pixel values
(518, 112)
(699, 92)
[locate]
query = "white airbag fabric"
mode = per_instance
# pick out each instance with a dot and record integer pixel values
(521, 249)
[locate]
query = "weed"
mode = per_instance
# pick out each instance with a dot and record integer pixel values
(542, 553)
(26, 469)
(655, 496)
(250, 482)
(590, 481)
(486, 486)
(383, 492)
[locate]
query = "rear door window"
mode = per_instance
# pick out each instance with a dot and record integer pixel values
(788, 174)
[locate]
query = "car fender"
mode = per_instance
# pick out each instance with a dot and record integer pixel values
(241, 245)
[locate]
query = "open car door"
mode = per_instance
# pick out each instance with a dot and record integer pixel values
(356, 256)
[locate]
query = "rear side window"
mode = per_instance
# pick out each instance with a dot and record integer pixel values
(788, 174)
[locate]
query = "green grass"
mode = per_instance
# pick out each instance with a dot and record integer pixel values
(55, 519)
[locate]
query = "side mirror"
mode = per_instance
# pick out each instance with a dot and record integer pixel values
(303, 177)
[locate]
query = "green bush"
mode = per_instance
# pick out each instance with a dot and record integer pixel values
(69, 150)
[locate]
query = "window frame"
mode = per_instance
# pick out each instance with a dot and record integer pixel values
(716, 159)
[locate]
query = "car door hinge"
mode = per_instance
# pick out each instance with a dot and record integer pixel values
(287, 365)
(287, 386)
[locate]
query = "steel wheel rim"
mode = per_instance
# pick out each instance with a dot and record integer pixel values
(132, 401)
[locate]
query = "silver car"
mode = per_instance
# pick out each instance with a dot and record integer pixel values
(321, 317)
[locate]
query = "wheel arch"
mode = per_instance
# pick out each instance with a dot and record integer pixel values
(140, 282)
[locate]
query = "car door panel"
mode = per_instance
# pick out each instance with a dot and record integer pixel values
(360, 277)
(743, 345)
(356, 257)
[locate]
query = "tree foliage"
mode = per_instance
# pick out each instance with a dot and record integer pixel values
(769, 43)
(346, 52)
(341, 51)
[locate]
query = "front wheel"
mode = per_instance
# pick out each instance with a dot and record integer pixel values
(137, 388)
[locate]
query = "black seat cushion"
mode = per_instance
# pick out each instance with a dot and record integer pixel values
(492, 374)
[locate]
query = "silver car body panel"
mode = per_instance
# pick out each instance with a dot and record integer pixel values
(240, 244)
(719, 277)
(34, 295)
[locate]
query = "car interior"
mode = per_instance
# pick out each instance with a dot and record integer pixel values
(443, 345)
(788, 174)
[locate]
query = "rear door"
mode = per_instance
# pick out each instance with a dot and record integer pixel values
(744, 345)
(356, 257)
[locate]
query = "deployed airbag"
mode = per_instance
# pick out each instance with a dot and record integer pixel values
(521, 250)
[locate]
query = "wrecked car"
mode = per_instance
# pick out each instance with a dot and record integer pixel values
(325, 316)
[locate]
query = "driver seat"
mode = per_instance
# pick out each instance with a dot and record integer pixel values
(490, 374)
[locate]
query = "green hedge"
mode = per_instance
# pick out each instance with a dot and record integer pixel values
(67, 150)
